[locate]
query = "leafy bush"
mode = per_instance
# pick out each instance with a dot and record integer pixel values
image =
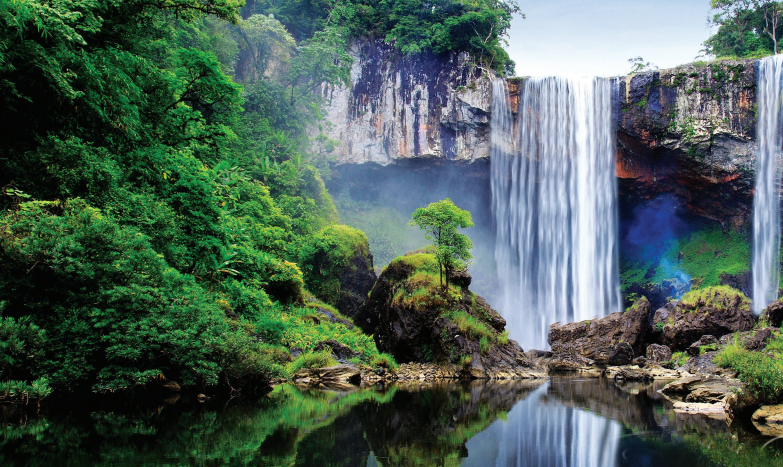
(384, 360)
(761, 373)
(20, 391)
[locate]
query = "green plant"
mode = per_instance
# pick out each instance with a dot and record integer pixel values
(659, 326)
(311, 360)
(679, 359)
(761, 373)
(384, 360)
(484, 345)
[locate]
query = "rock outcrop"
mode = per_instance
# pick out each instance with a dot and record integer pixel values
(768, 419)
(407, 106)
(412, 318)
(716, 311)
(613, 340)
(658, 353)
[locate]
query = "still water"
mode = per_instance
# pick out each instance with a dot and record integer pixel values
(559, 422)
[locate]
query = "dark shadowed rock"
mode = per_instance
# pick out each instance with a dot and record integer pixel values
(716, 311)
(613, 340)
(640, 361)
(658, 353)
(695, 349)
(774, 314)
(759, 340)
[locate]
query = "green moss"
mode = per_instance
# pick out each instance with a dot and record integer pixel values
(311, 360)
(717, 296)
(679, 358)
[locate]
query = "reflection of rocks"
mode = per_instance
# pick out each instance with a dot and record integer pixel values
(768, 419)
(613, 340)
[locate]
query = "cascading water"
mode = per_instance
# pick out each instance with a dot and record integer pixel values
(766, 199)
(554, 201)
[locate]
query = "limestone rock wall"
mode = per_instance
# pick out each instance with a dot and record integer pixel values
(414, 106)
(687, 131)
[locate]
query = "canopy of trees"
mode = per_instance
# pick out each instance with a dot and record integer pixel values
(746, 28)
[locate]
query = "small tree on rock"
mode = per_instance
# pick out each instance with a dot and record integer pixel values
(440, 221)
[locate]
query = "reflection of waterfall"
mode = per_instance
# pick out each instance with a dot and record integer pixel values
(541, 433)
(766, 200)
(554, 199)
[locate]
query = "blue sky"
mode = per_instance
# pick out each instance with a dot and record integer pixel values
(597, 37)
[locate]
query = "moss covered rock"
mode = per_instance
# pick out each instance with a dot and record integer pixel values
(338, 267)
(416, 320)
(716, 311)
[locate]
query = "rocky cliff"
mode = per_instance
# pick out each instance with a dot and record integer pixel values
(687, 131)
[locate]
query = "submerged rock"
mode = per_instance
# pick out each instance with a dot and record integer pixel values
(613, 340)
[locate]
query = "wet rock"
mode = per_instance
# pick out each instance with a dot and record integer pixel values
(768, 419)
(342, 352)
(636, 373)
(712, 410)
(612, 340)
(658, 353)
(343, 374)
(172, 386)
(712, 390)
(567, 359)
(703, 364)
(695, 349)
(714, 311)
(681, 386)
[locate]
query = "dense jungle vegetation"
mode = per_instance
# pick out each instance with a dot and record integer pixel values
(746, 28)
(164, 214)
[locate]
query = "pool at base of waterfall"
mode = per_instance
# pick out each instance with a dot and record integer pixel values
(555, 422)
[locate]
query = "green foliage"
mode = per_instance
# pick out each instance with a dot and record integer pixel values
(384, 360)
(470, 326)
(22, 346)
(477, 27)
(743, 30)
(440, 221)
(325, 257)
(19, 391)
(762, 373)
(679, 359)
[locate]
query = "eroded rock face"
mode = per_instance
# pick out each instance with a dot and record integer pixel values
(717, 313)
(613, 340)
(406, 106)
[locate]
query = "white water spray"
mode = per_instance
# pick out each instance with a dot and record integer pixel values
(554, 200)
(766, 199)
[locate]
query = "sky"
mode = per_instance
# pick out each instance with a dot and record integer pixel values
(597, 37)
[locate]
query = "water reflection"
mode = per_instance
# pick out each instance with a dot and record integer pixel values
(562, 422)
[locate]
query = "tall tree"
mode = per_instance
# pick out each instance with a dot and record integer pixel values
(440, 221)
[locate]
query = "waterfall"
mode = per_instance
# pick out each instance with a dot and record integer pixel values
(766, 199)
(554, 202)
(540, 432)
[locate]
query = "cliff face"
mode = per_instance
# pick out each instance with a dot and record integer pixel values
(690, 131)
(687, 131)
(417, 106)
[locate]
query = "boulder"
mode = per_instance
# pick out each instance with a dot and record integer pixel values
(613, 340)
(768, 419)
(341, 374)
(695, 349)
(658, 353)
(640, 362)
(411, 318)
(758, 341)
(716, 311)
(774, 314)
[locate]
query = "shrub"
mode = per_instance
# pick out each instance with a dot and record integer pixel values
(484, 345)
(384, 360)
(761, 373)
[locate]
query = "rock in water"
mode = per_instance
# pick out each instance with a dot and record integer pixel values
(716, 311)
(658, 353)
(768, 419)
(412, 318)
(612, 340)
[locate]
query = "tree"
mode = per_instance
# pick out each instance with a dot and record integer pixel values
(440, 221)
(639, 66)
(773, 11)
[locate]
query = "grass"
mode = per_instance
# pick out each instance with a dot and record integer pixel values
(383, 360)
(679, 358)
(469, 325)
(762, 373)
(311, 360)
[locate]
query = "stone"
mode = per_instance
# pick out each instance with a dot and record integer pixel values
(695, 349)
(340, 373)
(342, 352)
(712, 410)
(658, 353)
(768, 419)
(682, 385)
(640, 362)
(612, 340)
(774, 313)
(758, 341)
(715, 312)
(172, 386)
